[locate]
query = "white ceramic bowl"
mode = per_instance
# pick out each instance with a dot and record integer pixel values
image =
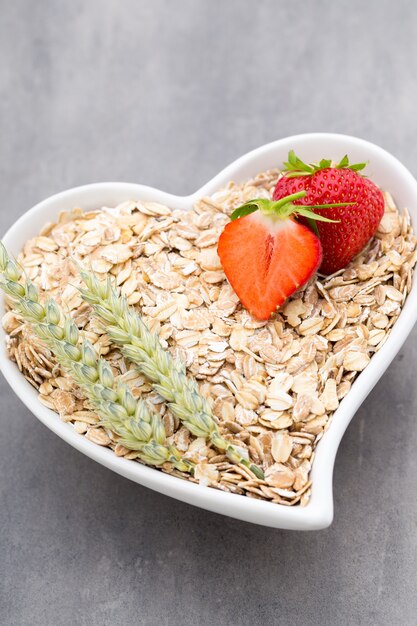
(387, 172)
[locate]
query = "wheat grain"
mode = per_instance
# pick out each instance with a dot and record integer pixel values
(138, 344)
(137, 427)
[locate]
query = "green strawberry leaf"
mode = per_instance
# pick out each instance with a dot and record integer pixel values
(292, 158)
(314, 216)
(330, 206)
(242, 211)
(295, 173)
(245, 209)
(356, 167)
(294, 164)
(344, 162)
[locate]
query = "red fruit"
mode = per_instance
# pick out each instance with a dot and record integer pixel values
(356, 224)
(267, 255)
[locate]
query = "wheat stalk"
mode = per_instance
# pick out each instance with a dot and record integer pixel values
(138, 428)
(168, 376)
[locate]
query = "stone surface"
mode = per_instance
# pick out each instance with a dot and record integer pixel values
(166, 94)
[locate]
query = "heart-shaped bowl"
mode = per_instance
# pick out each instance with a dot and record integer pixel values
(387, 172)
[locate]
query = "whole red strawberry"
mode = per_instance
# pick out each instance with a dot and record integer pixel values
(353, 224)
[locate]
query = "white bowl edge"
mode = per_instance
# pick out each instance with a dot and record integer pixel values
(388, 172)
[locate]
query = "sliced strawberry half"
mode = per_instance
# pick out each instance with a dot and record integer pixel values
(267, 255)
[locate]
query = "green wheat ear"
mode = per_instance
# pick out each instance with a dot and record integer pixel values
(126, 328)
(139, 428)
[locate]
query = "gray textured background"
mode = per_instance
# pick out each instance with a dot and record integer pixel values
(167, 93)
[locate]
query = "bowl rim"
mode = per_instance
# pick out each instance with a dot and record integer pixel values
(318, 513)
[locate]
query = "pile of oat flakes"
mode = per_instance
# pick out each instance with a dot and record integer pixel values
(273, 385)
